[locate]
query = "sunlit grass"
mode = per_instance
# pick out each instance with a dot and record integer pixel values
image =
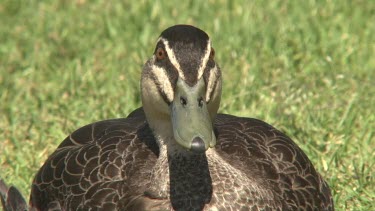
(307, 68)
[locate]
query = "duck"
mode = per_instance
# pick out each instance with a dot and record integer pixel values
(176, 152)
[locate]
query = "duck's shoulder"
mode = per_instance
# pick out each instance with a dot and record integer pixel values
(101, 155)
(255, 147)
(99, 132)
(255, 138)
(122, 136)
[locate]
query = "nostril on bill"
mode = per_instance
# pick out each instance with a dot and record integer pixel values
(183, 101)
(200, 102)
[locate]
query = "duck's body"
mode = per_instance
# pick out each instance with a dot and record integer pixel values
(176, 152)
(116, 164)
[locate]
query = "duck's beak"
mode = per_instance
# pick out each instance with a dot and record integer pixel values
(192, 124)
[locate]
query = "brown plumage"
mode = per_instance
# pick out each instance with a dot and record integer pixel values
(108, 165)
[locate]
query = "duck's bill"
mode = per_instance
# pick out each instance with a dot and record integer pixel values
(192, 125)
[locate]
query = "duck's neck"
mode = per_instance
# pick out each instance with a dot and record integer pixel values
(180, 174)
(190, 180)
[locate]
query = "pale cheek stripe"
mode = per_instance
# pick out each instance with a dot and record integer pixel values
(163, 81)
(211, 83)
(203, 64)
(173, 59)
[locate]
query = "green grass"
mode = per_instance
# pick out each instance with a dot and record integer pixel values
(306, 67)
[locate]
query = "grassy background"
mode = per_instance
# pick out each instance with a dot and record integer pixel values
(307, 68)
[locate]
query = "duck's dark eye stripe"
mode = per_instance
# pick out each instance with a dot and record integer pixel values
(161, 90)
(165, 82)
(211, 77)
(164, 96)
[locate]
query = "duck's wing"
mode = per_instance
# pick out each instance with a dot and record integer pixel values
(97, 165)
(260, 150)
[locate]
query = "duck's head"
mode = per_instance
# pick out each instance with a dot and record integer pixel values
(181, 88)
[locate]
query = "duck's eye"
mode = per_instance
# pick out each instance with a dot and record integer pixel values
(160, 54)
(212, 53)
